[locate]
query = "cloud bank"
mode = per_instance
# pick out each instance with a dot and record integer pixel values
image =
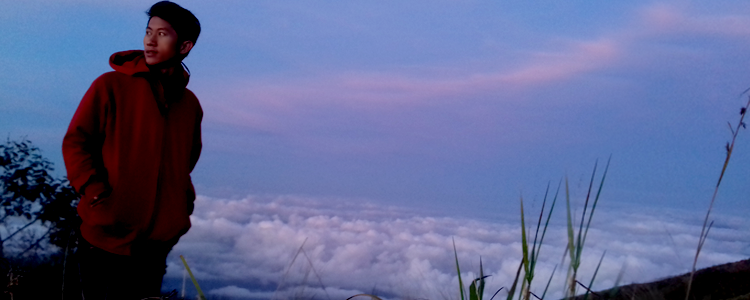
(278, 247)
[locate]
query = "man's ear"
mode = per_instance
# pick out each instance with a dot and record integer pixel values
(185, 47)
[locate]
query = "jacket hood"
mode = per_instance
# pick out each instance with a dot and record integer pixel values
(129, 62)
(132, 62)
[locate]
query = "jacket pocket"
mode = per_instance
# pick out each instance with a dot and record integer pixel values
(94, 202)
(105, 211)
(93, 212)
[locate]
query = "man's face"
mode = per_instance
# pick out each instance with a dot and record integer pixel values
(160, 42)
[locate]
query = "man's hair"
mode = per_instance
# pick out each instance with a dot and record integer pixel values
(182, 20)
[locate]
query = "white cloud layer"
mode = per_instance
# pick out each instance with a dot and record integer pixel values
(246, 248)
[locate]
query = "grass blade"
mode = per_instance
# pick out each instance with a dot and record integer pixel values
(596, 200)
(538, 225)
(195, 282)
(585, 207)
(515, 282)
(571, 249)
(571, 245)
(473, 290)
(549, 281)
(613, 292)
(591, 284)
(730, 148)
(546, 223)
(495, 294)
(524, 245)
(480, 290)
(320, 280)
(283, 278)
(458, 270)
(579, 246)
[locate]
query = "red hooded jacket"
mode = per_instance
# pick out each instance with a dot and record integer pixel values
(135, 137)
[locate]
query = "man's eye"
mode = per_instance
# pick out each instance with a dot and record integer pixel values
(162, 34)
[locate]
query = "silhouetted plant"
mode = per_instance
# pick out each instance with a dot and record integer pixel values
(531, 259)
(576, 241)
(28, 190)
(706, 225)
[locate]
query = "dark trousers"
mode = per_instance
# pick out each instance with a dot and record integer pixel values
(109, 276)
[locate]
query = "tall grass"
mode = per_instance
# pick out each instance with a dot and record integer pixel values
(476, 289)
(530, 260)
(576, 242)
(195, 282)
(706, 225)
(300, 294)
(531, 250)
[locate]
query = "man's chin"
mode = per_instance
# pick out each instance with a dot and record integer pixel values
(152, 61)
(162, 63)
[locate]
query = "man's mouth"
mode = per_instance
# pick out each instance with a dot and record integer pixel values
(150, 52)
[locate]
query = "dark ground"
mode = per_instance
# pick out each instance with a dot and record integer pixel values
(44, 280)
(722, 282)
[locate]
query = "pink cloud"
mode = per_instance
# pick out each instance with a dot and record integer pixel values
(391, 103)
(671, 19)
(368, 91)
(382, 112)
(580, 58)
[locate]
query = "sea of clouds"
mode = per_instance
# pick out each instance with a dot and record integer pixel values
(264, 247)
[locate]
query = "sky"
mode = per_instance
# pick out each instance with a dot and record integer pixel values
(351, 123)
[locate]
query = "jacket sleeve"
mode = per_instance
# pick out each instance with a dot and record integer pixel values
(195, 151)
(82, 144)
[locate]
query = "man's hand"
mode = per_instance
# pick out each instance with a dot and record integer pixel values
(98, 191)
(97, 199)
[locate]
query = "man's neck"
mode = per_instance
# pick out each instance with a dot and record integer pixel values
(166, 71)
(166, 68)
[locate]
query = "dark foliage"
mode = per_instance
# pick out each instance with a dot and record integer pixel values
(28, 189)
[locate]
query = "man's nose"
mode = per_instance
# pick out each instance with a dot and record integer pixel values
(150, 40)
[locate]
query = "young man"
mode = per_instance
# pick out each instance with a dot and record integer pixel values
(129, 151)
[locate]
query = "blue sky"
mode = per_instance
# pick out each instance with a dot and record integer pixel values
(449, 108)
(423, 102)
